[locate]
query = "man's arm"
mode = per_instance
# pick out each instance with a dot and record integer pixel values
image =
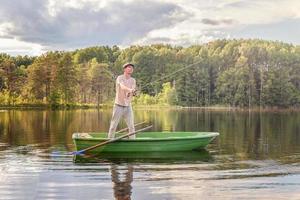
(123, 87)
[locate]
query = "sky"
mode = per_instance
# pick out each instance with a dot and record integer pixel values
(32, 27)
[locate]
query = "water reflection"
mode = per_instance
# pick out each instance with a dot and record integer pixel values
(254, 135)
(199, 156)
(122, 177)
(122, 166)
(255, 151)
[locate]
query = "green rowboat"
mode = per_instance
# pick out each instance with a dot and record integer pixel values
(146, 142)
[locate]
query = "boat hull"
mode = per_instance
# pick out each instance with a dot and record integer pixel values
(147, 142)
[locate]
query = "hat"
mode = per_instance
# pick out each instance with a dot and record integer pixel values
(127, 64)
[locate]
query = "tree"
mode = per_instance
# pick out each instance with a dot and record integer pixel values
(101, 80)
(42, 75)
(66, 78)
(12, 78)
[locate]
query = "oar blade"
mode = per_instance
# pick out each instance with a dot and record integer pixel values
(78, 152)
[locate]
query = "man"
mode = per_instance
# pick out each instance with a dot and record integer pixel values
(125, 89)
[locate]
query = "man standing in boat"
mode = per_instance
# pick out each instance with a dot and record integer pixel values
(125, 90)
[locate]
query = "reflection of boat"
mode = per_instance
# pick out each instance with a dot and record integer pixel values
(145, 157)
(146, 142)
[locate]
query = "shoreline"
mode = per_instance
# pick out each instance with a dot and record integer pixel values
(220, 108)
(144, 107)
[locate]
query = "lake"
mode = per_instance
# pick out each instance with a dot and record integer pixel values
(256, 156)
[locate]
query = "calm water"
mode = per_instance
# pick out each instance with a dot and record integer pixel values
(256, 156)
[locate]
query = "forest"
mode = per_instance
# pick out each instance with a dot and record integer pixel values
(235, 73)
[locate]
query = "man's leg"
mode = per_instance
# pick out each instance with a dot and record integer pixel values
(129, 119)
(115, 119)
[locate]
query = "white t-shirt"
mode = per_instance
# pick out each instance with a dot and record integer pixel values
(123, 95)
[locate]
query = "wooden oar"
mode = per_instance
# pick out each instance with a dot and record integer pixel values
(109, 141)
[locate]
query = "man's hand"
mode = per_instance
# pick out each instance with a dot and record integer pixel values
(134, 92)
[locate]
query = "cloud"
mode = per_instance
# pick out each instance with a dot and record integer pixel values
(260, 12)
(217, 19)
(72, 25)
(217, 22)
(288, 29)
(15, 47)
(69, 24)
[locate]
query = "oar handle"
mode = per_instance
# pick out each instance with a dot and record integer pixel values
(110, 141)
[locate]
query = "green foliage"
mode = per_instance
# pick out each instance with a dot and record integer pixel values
(168, 95)
(101, 80)
(54, 99)
(145, 99)
(85, 55)
(66, 78)
(4, 97)
(279, 91)
(242, 73)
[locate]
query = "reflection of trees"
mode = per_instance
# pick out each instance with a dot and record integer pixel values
(258, 134)
(164, 120)
(5, 135)
(15, 127)
(21, 127)
(251, 134)
(122, 179)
